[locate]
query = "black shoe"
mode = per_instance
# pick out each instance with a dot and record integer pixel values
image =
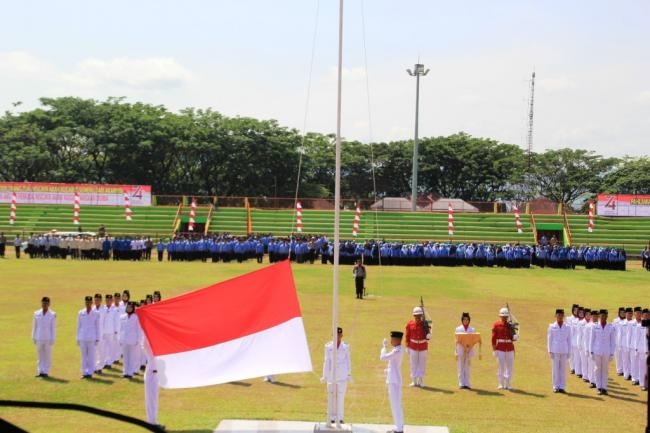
(108, 367)
(573, 371)
(593, 385)
(87, 376)
(600, 392)
(604, 391)
(160, 426)
(561, 391)
(585, 380)
(127, 376)
(628, 378)
(579, 375)
(98, 372)
(341, 421)
(554, 390)
(636, 382)
(39, 375)
(619, 374)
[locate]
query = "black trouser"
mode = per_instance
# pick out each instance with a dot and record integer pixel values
(358, 283)
(17, 251)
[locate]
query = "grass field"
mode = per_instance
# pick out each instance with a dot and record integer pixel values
(533, 296)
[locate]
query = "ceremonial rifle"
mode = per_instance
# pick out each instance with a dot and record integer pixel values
(426, 323)
(513, 324)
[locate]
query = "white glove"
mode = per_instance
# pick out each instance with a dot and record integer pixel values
(350, 379)
(385, 343)
(515, 337)
(429, 336)
(550, 355)
(322, 380)
(494, 353)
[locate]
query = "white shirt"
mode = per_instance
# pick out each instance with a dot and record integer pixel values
(130, 331)
(88, 325)
(558, 338)
(44, 326)
(111, 322)
(460, 350)
(603, 340)
(343, 362)
(394, 368)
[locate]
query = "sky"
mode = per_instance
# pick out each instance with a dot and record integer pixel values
(277, 59)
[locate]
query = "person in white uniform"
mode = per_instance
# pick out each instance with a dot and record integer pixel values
(99, 349)
(110, 329)
(88, 337)
(43, 336)
(463, 354)
(337, 385)
(130, 340)
(151, 388)
(394, 377)
(631, 344)
(559, 346)
(618, 356)
(603, 346)
(642, 350)
(624, 327)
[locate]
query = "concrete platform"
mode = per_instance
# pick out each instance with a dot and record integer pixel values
(251, 426)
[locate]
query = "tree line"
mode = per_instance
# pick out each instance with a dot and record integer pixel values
(202, 152)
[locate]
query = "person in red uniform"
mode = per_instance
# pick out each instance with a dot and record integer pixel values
(503, 348)
(417, 343)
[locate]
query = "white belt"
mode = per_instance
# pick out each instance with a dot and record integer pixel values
(503, 341)
(418, 341)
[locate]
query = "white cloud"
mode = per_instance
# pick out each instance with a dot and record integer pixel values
(21, 64)
(149, 73)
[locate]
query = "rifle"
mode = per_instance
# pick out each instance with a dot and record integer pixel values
(426, 323)
(513, 324)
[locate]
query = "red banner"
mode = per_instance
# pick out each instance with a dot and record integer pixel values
(623, 205)
(63, 193)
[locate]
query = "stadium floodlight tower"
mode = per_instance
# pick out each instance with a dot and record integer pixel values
(416, 72)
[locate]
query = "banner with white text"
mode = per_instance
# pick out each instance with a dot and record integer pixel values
(63, 193)
(623, 205)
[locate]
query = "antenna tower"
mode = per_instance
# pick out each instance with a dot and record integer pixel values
(529, 140)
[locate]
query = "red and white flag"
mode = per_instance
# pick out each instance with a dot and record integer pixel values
(192, 215)
(450, 220)
(515, 209)
(245, 327)
(590, 227)
(127, 206)
(75, 215)
(12, 210)
(298, 217)
(357, 220)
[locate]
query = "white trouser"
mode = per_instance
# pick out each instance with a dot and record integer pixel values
(109, 343)
(99, 355)
(44, 350)
(117, 350)
(463, 366)
(591, 369)
(643, 368)
(584, 363)
(87, 357)
(335, 409)
(505, 363)
(601, 366)
(634, 365)
(151, 392)
(558, 363)
(417, 362)
(131, 358)
(576, 360)
(625, 358)
(618, 355)
(395, 397)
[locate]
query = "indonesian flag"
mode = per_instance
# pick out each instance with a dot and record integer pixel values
(298, 217)
(127, 206)
(515, 209)
(357, 219)
(192, 215)
(245, 327)
(12, 211)
(450, 220)
(590, 227)
(75, 216)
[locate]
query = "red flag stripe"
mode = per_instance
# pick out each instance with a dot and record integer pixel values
(298, 217)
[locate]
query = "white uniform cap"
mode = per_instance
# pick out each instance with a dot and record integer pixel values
(417, 310)
(504, 312)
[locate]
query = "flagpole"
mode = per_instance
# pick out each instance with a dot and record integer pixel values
(337, 217)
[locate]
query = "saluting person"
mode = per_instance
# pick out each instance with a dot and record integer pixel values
(43, 336)
(394, 378)
(559, 346)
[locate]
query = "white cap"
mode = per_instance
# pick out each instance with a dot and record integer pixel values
(504, 312)
(417, 311)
